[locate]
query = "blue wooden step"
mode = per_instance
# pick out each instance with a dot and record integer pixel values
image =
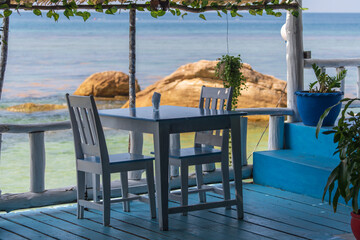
(301, 138)
(293, 171)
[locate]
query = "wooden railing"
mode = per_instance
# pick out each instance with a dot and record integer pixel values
(339, 65)
(39, 196)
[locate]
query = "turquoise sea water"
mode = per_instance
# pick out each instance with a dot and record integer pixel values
(47, 60)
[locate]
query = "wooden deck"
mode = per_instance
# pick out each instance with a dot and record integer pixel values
(269, 214)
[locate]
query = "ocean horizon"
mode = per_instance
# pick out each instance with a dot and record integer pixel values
(47, 59)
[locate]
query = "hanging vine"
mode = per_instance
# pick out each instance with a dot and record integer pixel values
(228, 69)
(157, 8)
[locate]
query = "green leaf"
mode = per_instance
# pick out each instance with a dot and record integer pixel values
(37, 12)
(172, 12)
(333, 176)
(153, 14)
(259, 12)
(278, 14)
(140, 9)
(224, 10)
(56, 16)
(178, 13)
(202, 16)
(49, 14)
(233, 13)
(252, 12)
(7, 12)
(86, 15)
(182, 16)
(2, 6)
(111, 10)
(161, 13)
(336, 200)
(218, 13)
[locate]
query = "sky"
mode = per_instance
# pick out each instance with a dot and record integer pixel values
(332, 5)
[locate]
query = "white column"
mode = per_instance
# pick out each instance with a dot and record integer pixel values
(295, 60)
(37, 162)
(276, 133)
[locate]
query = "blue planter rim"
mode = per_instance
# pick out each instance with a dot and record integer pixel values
(308, 94)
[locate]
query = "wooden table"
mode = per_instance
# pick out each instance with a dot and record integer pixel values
(173, 119)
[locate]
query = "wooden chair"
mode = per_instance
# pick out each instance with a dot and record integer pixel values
(203, 151)
(92, 157)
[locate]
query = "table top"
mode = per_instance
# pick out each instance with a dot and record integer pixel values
(166, 113)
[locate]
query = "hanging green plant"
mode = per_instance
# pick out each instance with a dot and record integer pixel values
(228, 69)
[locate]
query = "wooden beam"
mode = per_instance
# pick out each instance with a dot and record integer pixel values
(266, 111)
(332, 63)
(177, 6)
(29, 128)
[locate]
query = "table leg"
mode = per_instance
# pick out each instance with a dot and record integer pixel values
(237, 164)
(161, 147)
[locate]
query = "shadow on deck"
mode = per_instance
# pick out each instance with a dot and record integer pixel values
(269, 214)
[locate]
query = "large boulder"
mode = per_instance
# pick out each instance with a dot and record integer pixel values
(182, 88)
(108, 84)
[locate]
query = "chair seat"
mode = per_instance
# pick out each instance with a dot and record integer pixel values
(122, 158)
(193, 152)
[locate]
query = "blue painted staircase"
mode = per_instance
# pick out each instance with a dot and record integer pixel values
(302, 167)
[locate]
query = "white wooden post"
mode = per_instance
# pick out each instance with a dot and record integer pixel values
(358, 83)
(37, 162)
(276, 133)
(342, 86)
(295, 60)
(174, 144)
(244, 124)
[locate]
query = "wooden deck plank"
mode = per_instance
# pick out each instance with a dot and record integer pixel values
(6, 234)
(69, 214)
(289, 217)
(296, 198)
(24, 231)
(32, 222)
(281, 226)
(138, 216)
(79, 232)
(303, 211)
(190, 220)
(228, 221)
(177, 226)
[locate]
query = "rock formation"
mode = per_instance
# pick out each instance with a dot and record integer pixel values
(32, 107)
(182, 88)
(110, 84)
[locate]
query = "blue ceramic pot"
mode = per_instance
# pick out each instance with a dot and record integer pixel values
(312, 105)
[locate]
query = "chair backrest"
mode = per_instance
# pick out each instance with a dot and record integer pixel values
(89, 138)
(214, 98)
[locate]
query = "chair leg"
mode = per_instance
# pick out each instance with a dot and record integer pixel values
(96, 187)
(225, 179)
(184, 184)
(106, 198)
(200, 182)
(151, 187)
(80, 193)
(125, 190)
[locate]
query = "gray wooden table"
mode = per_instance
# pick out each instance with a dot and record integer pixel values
(173, 119)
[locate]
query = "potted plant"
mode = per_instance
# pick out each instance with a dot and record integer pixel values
(321, 95)
(345, 178)
(228, 69)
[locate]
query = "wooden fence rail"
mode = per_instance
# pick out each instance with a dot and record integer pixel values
(339, 65)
